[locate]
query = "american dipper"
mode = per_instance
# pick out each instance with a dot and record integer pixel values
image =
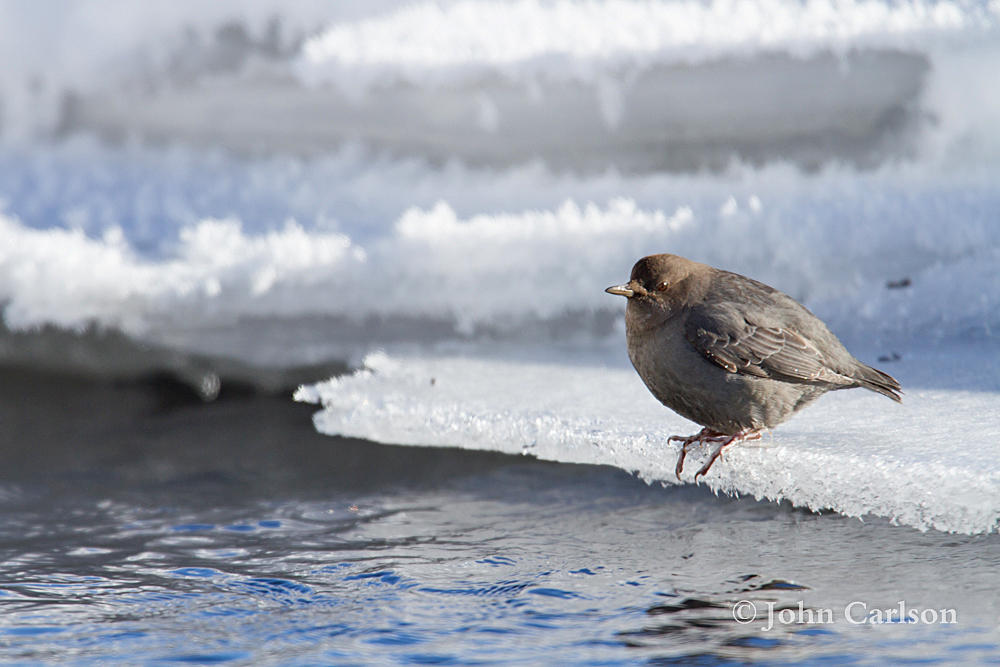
(729, 352)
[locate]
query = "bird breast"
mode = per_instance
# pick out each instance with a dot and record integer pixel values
(695, 388)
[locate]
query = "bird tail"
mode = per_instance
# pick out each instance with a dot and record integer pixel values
(876, 380)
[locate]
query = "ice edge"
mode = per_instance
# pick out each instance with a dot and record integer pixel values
(784, 468)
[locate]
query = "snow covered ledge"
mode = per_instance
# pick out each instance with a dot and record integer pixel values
(933, 462)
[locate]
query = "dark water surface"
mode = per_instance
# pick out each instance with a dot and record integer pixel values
(141, 525)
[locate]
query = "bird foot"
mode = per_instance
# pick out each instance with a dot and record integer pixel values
(704, 435)
(707, 435)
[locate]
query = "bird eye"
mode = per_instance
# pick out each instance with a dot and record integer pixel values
(662, 287)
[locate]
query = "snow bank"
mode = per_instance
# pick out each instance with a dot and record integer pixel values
(430, 44)
(640, 86)
(894, 254)
(111, 46)
(683, 85)
(59, 276)
(930, 463)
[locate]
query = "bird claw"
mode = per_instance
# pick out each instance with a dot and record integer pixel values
(680, 459)
(717, 454)
(704, 436)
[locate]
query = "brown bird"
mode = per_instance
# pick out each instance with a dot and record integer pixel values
(731, 353)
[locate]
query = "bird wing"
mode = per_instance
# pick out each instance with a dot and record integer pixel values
(740, 345)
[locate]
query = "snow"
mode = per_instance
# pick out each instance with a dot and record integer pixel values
(930, 463)
(683, 85)
(94, 44)
(834, 240)
(59, 276)
(645, 86)
(428, 43)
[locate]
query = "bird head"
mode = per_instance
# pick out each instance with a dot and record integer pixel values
(657, 280)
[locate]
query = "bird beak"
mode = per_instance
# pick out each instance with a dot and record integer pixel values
(621, 290)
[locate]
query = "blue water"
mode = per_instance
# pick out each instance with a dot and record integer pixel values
(172, 531)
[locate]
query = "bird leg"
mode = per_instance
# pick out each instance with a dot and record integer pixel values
(707, 435)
